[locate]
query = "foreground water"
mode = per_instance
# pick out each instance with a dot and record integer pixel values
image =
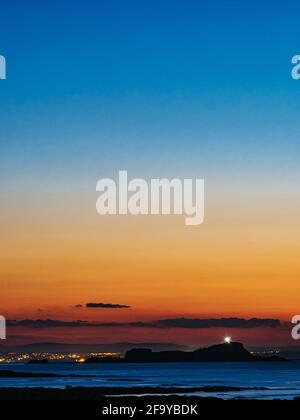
(282, 380)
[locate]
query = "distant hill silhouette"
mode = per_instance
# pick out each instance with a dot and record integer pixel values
(227, 352)
(87, 348)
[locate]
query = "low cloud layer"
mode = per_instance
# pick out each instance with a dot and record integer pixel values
(216, 322)
(185, 323)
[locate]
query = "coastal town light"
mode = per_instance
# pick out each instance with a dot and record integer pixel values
(227, 340)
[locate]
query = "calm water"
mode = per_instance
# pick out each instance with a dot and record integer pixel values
(281, 379)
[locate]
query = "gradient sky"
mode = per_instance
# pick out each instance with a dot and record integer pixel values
(162, 89)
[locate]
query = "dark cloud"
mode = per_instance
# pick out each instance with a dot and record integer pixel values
(106, 305)
(216, 322)
(186, 323)
(47, 323)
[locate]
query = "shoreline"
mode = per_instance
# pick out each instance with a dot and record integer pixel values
(126, 393)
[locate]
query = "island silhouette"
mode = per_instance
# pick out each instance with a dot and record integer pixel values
(226, 352)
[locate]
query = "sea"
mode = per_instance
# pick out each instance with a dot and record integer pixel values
(280, 380)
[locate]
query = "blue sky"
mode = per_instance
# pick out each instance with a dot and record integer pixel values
(176, 88)
(156, 87)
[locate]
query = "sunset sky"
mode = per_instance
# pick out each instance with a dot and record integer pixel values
(160, 89)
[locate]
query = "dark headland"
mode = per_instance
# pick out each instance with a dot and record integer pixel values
(226, 352)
